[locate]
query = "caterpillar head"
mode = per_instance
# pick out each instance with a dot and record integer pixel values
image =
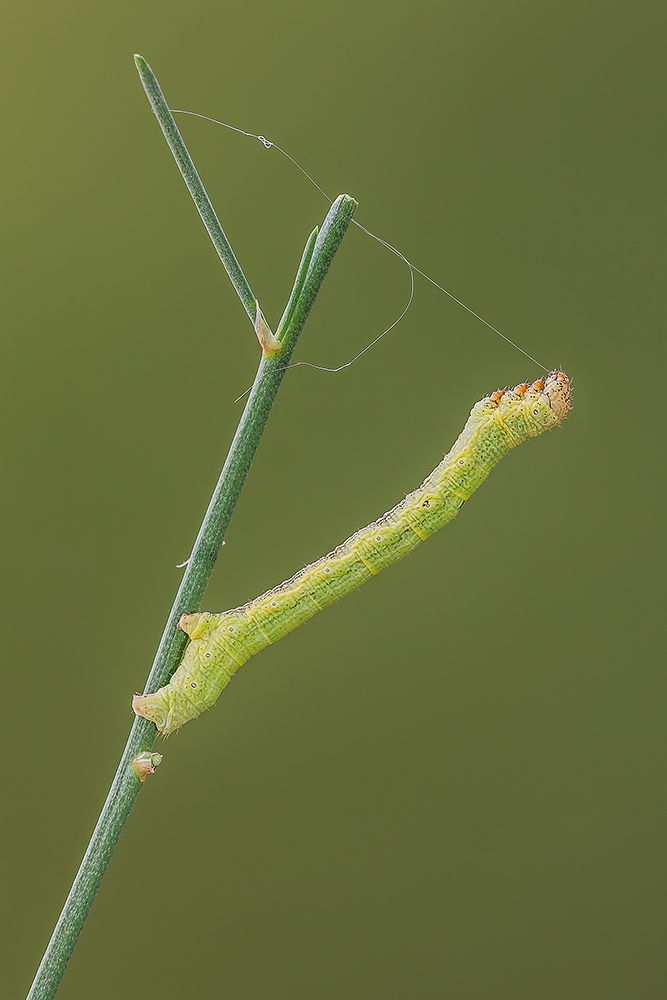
(557, 388)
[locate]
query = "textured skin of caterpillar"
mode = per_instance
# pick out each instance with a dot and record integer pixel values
(219, 644)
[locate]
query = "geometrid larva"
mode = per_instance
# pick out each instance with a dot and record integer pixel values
(221, 643)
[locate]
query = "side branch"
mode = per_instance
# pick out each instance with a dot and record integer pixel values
(195, 186)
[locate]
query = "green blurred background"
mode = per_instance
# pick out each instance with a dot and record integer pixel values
(452, 783)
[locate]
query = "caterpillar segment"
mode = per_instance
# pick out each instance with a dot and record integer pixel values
(220, 644)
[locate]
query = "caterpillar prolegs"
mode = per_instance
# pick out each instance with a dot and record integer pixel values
(219, 644)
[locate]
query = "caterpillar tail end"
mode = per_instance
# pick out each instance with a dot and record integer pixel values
(155, 708)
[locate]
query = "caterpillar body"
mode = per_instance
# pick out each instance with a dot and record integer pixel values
(219, 644)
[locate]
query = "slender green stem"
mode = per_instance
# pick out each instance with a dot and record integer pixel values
(315, 262)
(195, 186)
(316, 259)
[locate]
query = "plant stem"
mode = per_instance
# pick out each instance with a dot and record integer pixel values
(126, 785)
(315, 262)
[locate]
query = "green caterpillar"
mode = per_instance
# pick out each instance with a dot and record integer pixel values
(221, 643)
